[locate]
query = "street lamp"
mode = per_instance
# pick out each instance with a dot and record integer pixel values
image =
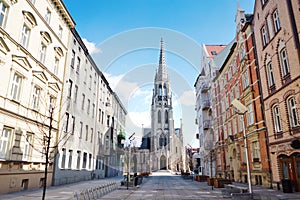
(242, 109)
(131, 138)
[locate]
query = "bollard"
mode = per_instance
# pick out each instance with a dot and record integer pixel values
(76, 196)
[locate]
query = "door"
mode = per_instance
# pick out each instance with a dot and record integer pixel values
(163, 162)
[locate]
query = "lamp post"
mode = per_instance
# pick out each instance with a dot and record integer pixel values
(131, 138)
(242, 109)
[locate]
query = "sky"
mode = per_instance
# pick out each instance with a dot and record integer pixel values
(123, 37)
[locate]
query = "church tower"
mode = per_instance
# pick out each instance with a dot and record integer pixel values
(162, 123)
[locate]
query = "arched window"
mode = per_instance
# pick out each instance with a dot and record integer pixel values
(162, 141)
(276, 118)
(292, 110)
(166, 117)
(159, 90)
(165, 91)
(159, 116)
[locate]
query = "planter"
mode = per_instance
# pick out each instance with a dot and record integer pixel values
(210, 181)
(203, 178)
(219, 182)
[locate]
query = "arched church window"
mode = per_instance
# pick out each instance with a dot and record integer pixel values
(159, 116)
(162, 141)
(166, 117)
(165, 91)
(159, 90)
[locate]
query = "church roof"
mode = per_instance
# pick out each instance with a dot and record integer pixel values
(162, 74)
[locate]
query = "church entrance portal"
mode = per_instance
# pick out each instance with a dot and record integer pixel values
(163, 162)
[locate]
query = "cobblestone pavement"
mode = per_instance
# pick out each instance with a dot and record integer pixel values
(161, 185)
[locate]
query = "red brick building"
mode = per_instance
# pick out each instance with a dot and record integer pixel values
(239, 79)
(277, 27)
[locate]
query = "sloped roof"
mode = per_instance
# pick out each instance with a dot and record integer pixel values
(214, 50)
(220, 59)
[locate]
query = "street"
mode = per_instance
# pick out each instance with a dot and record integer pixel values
(164, 185)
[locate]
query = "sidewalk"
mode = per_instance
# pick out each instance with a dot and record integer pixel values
(59, 192)
(260, 192)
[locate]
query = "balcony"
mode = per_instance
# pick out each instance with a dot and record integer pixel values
(205, 104)
(207, 124)
(205, 87)
(208, 145)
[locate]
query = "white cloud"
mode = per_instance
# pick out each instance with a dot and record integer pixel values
(139, 118)
(91, 46)
(188, 98)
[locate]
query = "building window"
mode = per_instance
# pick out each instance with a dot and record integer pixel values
(90, 84)
(27, 146)
(292, 110)
(107, 120)
(245, 79)
(284, 62)
(84, 160)
(86, 132)
(35, 97)
(4, 141)
(90, 161)
(88, 106)
(3, 11)
(48, 16)
(70, 88)
(264, 35)
(270, 74)
(92, 134)
(66, 122)
(78, 65)
(25, 36)
(83, 101)
(63, 159)
(43, 50)
(263, 2)
(102, 118)
(276, 119)
(99, 115)
(72, 58)
(159, 116)
(70, 159)
(78, 159)
(60, 32)
(56, 66)
(166, 117)
(81, 129)
(276, 21)
(255, 151)
(250, 115)
(75, 93)
(73, 125)
(16, 87)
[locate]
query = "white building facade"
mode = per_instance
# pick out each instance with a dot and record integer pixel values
(33, 49)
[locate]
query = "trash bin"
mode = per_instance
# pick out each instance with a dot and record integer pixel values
(287, 186)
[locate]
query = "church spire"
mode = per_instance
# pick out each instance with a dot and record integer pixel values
(162, 67)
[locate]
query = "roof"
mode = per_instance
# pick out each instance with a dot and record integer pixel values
(214, 50)
(222, 56)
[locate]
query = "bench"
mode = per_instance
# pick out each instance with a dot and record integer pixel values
(241, 196)
(233, 189)
(240, 188)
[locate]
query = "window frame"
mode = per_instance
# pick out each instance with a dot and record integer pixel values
(284, 62)
(276, 118)
(5, 140)
(3, 13)
(276, 21)
(270, 74)
(292, 112)
(36, 94)
(25, 35)
(15, 89)
(264, 35)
